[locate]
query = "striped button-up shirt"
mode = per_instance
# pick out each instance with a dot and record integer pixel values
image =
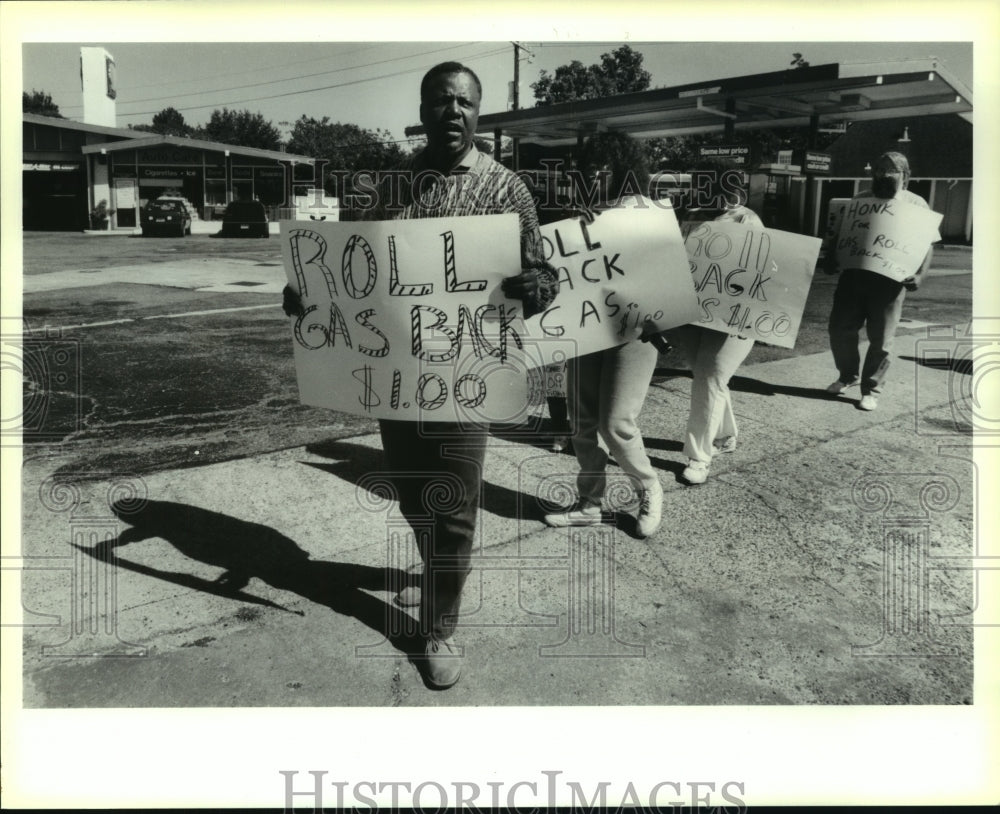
(477, 186)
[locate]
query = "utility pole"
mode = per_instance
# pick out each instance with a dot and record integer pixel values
(517, 74)
(515, 98)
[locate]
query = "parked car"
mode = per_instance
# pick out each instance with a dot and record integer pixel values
(166, 217)
(244, 219)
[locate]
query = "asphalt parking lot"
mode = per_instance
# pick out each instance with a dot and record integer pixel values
(168, 367)
(198, 550)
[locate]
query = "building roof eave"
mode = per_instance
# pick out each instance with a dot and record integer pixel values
(154, 140)
(69, 124)
(827, 93)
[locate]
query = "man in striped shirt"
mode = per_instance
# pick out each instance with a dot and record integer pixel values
(448, 178)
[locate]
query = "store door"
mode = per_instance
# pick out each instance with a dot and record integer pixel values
(126, 203)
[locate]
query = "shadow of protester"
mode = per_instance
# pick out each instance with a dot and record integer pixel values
(246, 550)
(744, 384)
(950, 363)
(354, 461)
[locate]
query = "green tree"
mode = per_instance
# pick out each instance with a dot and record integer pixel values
(168, 122)
(619, 71)
(676, 153)
(241, 128)
(346, 146)
(39, 102)
(798, 61)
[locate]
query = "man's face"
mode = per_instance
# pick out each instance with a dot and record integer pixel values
(450, 113)
(887, 178)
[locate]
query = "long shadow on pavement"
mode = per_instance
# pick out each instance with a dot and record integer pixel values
(246, 550)
(744, 384)
(354, 461)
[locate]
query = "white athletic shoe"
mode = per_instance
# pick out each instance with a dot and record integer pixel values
(839, 387)
(581, 513)
(727, 444)
(650, 511)
(695, 472)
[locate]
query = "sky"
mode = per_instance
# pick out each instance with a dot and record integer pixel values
(376, 84)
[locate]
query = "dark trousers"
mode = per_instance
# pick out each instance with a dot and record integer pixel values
(437, 470)
(559, 413)
(864, 298)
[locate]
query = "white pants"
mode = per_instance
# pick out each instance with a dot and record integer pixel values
(714, 357)
(606, 393)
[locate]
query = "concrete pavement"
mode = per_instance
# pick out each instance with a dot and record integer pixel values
(268, 581)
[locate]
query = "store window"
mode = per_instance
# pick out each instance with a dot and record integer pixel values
(215, 193)
(269, 186)
(242, 190)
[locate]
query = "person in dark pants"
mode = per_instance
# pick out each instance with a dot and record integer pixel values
(866, 298)
(437, 466)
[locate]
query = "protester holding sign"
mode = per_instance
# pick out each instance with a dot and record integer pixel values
(437, 466)
(606, 388)
(714, 357)
(882, 251)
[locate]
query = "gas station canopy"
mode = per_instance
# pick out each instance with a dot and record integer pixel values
(814, 96)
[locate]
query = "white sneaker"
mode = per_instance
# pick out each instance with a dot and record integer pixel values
(650, 510)
(868, 402)
(695, 472)
(581, 513)
(727, 444)
(839, 387)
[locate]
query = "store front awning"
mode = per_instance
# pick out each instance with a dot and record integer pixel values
(817, 95)
(195, 144)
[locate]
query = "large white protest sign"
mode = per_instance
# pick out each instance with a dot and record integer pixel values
(405, 319)
(888, 236)
(750, 281)
(625, 271)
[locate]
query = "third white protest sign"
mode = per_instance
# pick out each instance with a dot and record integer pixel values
(751, 282)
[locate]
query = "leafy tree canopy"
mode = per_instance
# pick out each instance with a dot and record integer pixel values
(168, 122)
(241, 128)
(346, 146)
(618, 72)
(39, 102)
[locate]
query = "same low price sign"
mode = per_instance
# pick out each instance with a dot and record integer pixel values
(750, 281)
(888, 236)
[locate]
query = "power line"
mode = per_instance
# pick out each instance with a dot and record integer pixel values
(255, 70)
(288, 79)
(243, 73)
(300, 92)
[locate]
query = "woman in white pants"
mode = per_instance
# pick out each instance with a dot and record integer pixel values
(607, 388)
(714, 357)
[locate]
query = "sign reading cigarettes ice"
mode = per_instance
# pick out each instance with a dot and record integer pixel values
(405, 319)
(750, 281)
(887, 236)
(625, 272)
